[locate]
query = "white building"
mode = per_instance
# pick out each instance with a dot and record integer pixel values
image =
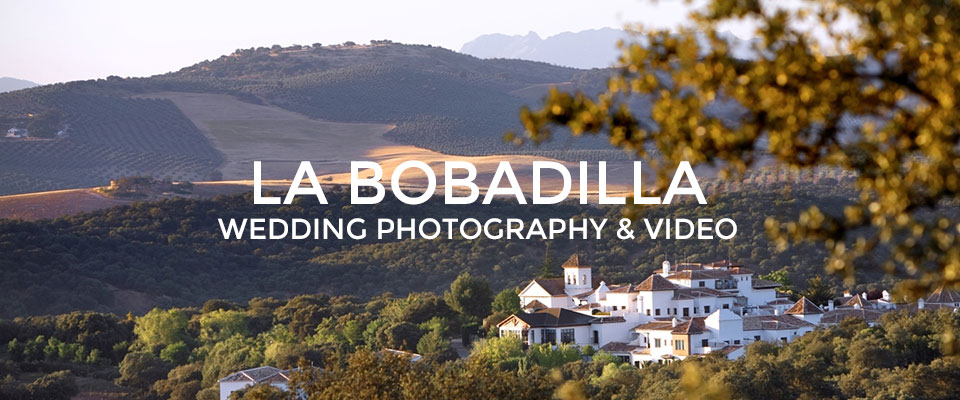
(17, 133)
(681, 311)
(253, 376)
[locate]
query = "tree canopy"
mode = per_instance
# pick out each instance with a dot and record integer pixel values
(877, 99)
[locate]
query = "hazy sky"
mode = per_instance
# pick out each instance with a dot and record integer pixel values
(54, 41)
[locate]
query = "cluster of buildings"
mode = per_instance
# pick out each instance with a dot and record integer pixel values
(689, 309)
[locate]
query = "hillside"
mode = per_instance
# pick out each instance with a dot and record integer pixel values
(170, 252)
(82, 134)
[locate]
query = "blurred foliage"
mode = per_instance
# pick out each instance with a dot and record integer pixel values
(877, 99)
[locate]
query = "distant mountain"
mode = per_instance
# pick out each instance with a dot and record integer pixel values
(8, 84)
(594, 48)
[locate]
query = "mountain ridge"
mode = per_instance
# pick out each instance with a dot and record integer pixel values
(9, 84)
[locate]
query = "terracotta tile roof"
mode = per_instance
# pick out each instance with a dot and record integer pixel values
(535, 305)
(773, 322)
(584, 294)
(855, 301)
(943, 295)
(586, 306)
(780, 302)
(836, 316)
(740, 271)
(623, 289)
(656, 283)
(701, 274)
(764, 284)
(554, 286)
(729, 349)
(691, 326)
(550, 317)
(804, 307)
(693, 293)
(655, 326)
(620, 347)
(574, 262)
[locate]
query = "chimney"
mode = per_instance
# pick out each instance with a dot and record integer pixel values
(674, 322)
(831, 305)
(856, 306)
(864, 295)
(776, 311)
(886, 295)
(920, 304)
(666, 268)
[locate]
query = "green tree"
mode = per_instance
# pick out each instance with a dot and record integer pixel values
(221, 324)
(818, 291)
(470, 297)
(782, 277)
(182, 383)
(507, 301)
(894, 77)
(139, 370)
(162, 327)
(548, 269)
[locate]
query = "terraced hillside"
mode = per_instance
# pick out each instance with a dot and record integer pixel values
(103, 137)
(437, 99)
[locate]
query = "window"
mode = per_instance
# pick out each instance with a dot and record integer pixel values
(614, 308)
(658, 312)
(674, 311)
(705, 343)
(756, 337)
(566, 336)
(736, 341)
(696, 310)
(706, 309)
(679, 345)
(549, 336)
(686, 311)
(596, 337)
(702, 283)
(584, 281)
(783, 339)
(636, 364)
(726, 306)
(533, 336)
(648, 312)
(656, 342)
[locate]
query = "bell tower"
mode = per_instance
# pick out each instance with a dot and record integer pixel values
(577, 277)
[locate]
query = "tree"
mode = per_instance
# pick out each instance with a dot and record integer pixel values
(470, 297)
(162, 327)
(139, 370)
(182, 383)
(219, 325)
(817, 291)
(218, 304)
(892, 74)
(399, 336)
(782, 277)
(549, 266)
(507, 301)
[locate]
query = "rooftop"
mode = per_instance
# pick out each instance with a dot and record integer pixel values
(804, 307)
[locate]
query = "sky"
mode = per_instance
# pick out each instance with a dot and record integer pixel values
(48, 41)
